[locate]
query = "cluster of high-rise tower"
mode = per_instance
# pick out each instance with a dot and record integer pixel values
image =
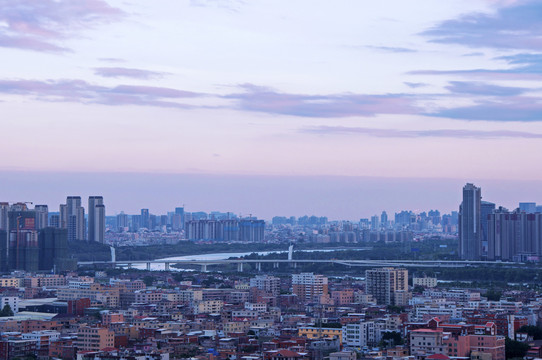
(34, 240)
(72, 217)
(490, 233)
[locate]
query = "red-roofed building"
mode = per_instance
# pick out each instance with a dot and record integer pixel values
(285, 354)
(427, 342)
(438, 357)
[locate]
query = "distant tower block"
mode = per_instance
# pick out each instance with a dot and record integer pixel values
(113, 255)
(291, 252)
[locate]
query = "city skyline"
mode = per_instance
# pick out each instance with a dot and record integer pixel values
(258, 88)
(263, 197)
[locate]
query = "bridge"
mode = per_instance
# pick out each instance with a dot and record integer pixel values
(293, 263)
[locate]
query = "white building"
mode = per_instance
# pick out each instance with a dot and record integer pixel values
(12, 301)
(42, 338)
(359, 334)
(259, 307)
(270, 284)
(425, 281)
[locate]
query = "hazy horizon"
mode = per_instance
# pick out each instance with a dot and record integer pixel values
(337, 197)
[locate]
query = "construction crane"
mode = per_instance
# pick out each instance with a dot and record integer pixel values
(19, 202)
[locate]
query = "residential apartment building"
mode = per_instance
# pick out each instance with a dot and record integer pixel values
(94, 339)
(387, 285)
(309, 287)
(270, 284)
(359, 334)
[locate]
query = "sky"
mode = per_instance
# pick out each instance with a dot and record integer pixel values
(340, 108)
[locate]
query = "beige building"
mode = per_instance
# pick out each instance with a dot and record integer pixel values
(109, 296)
(11, 282)
(321, 333)
(425, 281)
(236, 327)
(186, 296)
(208, 307)
(148, 296)
(309, 287)
(94, 339)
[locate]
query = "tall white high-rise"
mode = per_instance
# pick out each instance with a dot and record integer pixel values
(76, 218)
(42, 216)
(4, 208)
(122, 221)
(470, 223)
(99, 223)
(63, 217)
(96, 219)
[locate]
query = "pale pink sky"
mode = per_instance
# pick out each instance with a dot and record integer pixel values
(390, 89)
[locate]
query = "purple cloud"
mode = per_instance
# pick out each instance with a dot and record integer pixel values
(391, 49)
(116, 72)
(112, 60)
(447, 133)
(474, 54)
(83, 92)
(517, 26)
(266, 100)
(479, 88)
(415, 85)
(41, 25)
(519, 108)
(524, 67)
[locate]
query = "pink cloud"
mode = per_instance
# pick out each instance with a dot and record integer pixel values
(116, 72)
(83, 92)
(41, 25)
(266, 100)
(446, 133)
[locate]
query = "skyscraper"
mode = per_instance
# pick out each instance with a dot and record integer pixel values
(54, 221)
(178, 223)
(96, 219)
(145, 218)
(375, 222)
(528, 207)
(42, 216)
(122, 221)
(4, 209)
(514, 235)
(470, 228)
(99, 223)
(486, 209)
(76, 218)
(63, 216)
(53, 248)
(251, 230)
(23, 251)
(384, 219)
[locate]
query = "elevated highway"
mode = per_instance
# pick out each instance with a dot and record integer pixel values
(294, 263)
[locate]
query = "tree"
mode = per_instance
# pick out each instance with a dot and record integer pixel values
(391, 338)
(515, 349)
(6, 311)
(148, 280)
(493, 295)
(531, 330)
(418, 289)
